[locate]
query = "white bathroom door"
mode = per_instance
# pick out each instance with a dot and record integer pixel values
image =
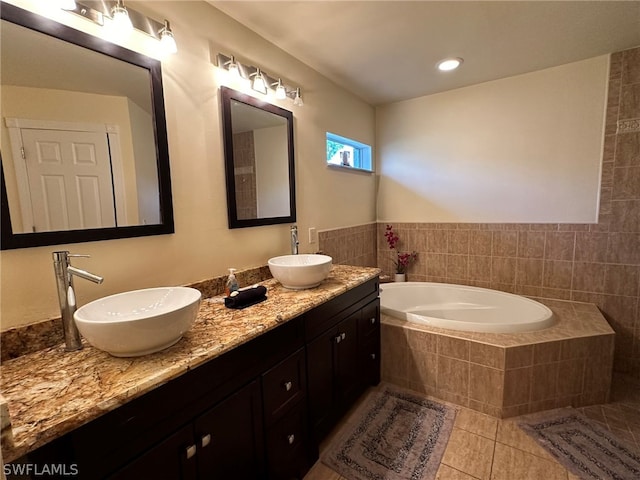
(70, 181)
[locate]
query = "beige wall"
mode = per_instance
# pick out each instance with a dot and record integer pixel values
(520, 149)
(272, 171)
(203, 246)
(146, 168)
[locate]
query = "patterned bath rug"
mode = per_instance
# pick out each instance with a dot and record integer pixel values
(585, 448)
(394, 435)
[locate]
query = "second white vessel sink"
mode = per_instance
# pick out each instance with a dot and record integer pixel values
(302, 271)
(139, 322)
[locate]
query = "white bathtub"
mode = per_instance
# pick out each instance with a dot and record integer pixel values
(460, 307)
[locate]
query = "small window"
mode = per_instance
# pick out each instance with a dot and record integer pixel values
(344, 152)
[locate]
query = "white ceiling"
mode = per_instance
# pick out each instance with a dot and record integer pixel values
(386, 51)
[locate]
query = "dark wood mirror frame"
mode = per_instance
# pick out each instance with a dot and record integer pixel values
(11, 240)
(228, 95)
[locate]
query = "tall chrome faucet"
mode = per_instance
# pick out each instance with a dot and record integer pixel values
(294, 240)
(67, 295)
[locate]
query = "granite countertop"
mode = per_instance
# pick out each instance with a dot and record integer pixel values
(51, 392)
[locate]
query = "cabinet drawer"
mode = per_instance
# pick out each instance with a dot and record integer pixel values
(370, 319)
(284, 385)
(287, 446)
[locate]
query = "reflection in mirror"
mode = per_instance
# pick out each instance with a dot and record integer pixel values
(83, 137)
(258, 141)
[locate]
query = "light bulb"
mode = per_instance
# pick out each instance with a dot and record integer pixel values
(449, 64)
(258, 82)
(167, 41)
(232, 67)
(121, 26)
(281, 93)
(297, 101)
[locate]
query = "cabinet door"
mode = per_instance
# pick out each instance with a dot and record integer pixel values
(229, 437)
(347, 373)
(173, 458)
(333, 375)
(320, 378)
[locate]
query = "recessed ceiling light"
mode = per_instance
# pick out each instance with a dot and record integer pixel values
(449, 64)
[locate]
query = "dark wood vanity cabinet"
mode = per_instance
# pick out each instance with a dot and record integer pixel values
(256, 412)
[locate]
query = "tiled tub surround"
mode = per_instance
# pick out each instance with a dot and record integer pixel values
(504, 375)
(557, 261)
(51, 392)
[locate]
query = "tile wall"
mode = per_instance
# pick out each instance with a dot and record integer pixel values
(597, 263)
(496, 380)
(351, 246)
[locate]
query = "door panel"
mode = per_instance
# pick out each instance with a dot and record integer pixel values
(348, 376)
(70, 179)
(229, 437)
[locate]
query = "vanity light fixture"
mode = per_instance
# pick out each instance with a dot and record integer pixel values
(258, 84)
(167, 41)
(120, 21)
(261, 81)
(281, 93)
(449, 64)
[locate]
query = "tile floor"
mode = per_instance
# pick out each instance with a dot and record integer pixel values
(483, 447)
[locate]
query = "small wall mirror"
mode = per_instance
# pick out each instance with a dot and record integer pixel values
(83, 137)
(259, 161)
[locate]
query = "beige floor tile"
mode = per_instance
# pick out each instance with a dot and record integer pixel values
(482, 447)
(477, 423)
(510, 463)
(445, 472)
(469, 453)
(320, 471)
(510, 434)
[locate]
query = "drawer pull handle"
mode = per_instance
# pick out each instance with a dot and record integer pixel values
(343, 335)
(291, 438)
(372, 320)
(338, 339)
(191, 451)
(373, 356)
(288, 386)
(206, 440)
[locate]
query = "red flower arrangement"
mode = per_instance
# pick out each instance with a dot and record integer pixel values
(403, 259)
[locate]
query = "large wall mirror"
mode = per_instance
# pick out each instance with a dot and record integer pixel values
(259, 161)
(84, 140)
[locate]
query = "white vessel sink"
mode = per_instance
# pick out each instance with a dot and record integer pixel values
(139, 322)
(302, 271)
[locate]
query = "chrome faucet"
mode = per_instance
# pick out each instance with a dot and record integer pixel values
(294, 240)
(67, 296)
